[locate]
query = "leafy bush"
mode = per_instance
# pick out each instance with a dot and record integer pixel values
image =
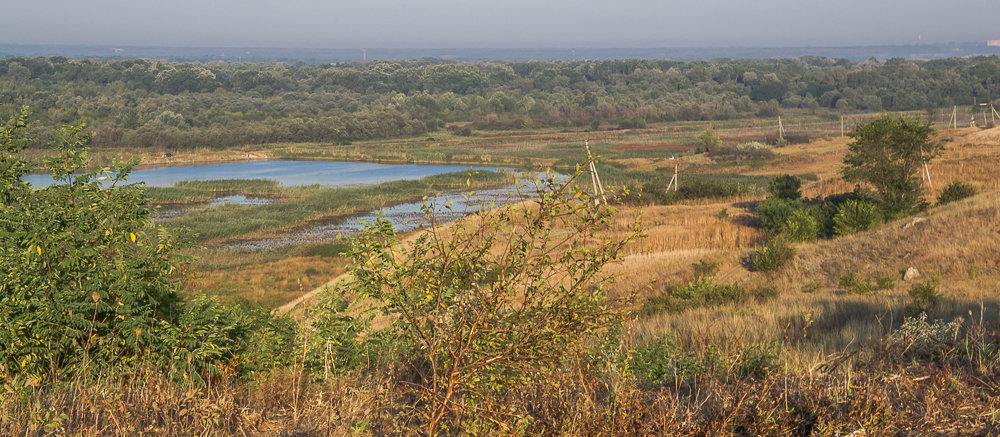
(925, 295)
(632, 123)
(663, 362)
(955, 191)
(706, 268)
(853, 283)
(773, 255)
(85, 275)
(774, 212)
(708, 141)
(887, 281)
(854, 216)
(209, 339)
(701, 292)
(785, 187)
(801, 226)
(333, 337)
(475, 309)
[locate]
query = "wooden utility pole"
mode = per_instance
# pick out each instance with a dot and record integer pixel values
(996, 114)
(594, 177)
(673, 180)
(927, 174)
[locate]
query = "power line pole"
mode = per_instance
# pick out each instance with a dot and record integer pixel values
(594, 177)
(673, 180)
(781, 129)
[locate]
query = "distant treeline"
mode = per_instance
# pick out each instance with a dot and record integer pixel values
(171, 105)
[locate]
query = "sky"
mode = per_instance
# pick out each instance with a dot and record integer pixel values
(496, 23)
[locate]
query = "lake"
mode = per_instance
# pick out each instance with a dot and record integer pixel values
(286, 173)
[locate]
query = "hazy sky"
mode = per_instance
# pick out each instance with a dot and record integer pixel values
(496, 23)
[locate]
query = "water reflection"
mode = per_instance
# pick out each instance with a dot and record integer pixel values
(404, 217)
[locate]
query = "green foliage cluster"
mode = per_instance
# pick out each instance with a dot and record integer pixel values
(925, 295)
(88, 283)
(887, 281)
(651, 188)
(773, 255)
(800, 225)
(708, 141)
(785, 187)
(853, 283)
(663, 362)
(177, 105)
(855, 215)
(86, 275)
(474, 310)
(207, 339)
(704, 291)
(887, 153)
(955, 191)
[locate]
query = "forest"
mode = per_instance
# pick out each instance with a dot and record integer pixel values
(169, 106)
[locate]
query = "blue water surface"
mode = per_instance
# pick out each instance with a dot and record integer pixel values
(286, 173)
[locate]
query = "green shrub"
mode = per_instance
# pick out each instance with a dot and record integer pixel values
(854, 216)
(925, 295)
(632, 123)
(701, 292)
(954, 192)
(662, 362)
(774, 212)
(887, 281)
(473, 308)
(814, 286)
(86, 277)
(706, 268)
(210, 339)
(785, 187)
(801, 226)
(708, 141)
(972, 271)
(773, 255)
(853, 283)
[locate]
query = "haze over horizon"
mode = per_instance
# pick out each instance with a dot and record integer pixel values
(510, 24)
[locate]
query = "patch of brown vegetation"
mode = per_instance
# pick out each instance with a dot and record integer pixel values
(271, 283)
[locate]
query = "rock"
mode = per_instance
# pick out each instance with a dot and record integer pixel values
(911, 274)
(914, 222)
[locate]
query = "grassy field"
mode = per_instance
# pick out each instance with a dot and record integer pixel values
(708, 218)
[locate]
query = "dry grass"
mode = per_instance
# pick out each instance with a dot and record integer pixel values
(270, 284)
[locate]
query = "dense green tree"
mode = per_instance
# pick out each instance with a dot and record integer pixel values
(888, 153)
(785, 187)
